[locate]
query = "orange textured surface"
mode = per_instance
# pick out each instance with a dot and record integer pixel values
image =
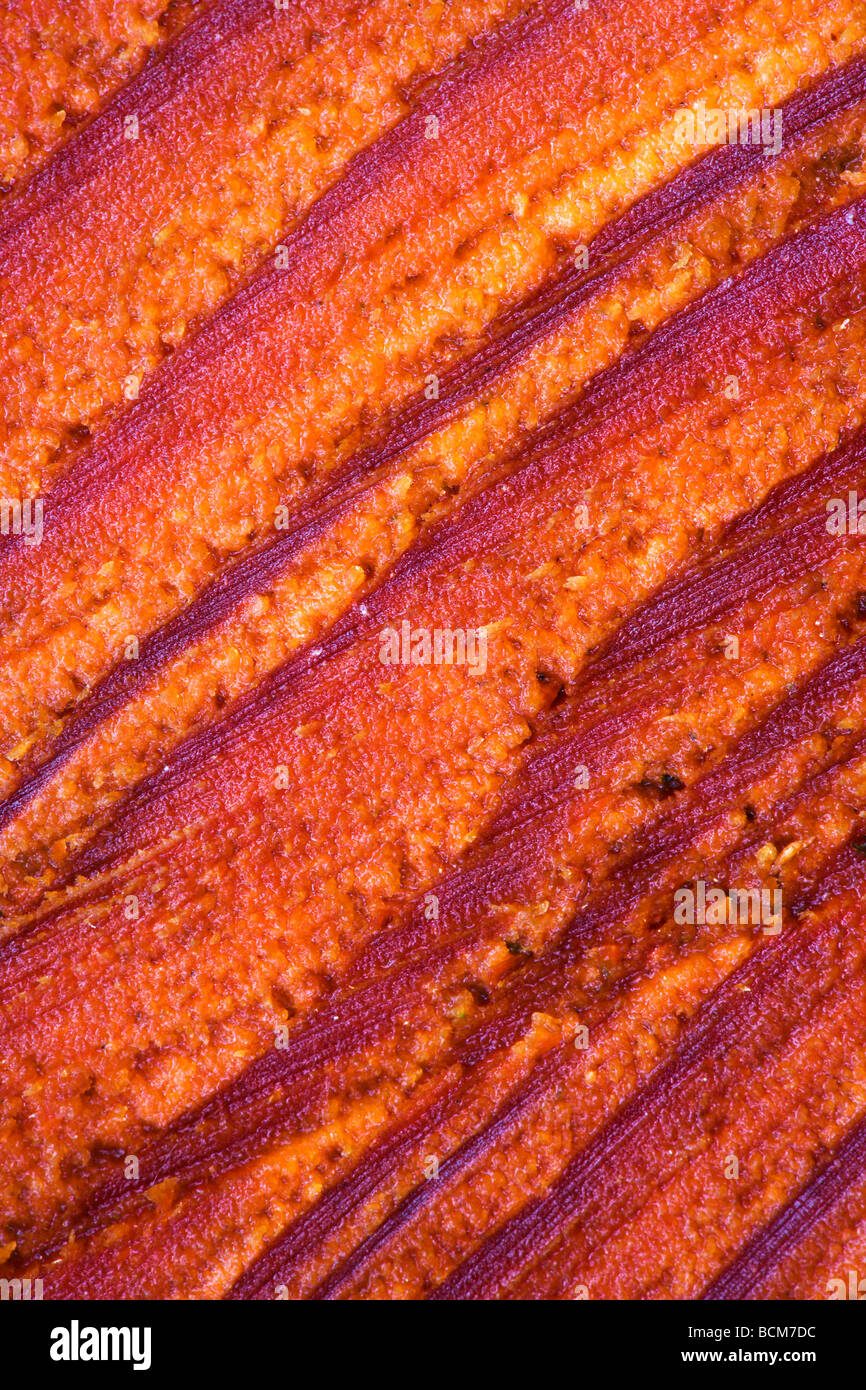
(433, 649)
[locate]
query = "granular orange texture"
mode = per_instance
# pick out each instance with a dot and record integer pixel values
(331, 334)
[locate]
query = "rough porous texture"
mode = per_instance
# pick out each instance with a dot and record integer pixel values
(433, 649)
